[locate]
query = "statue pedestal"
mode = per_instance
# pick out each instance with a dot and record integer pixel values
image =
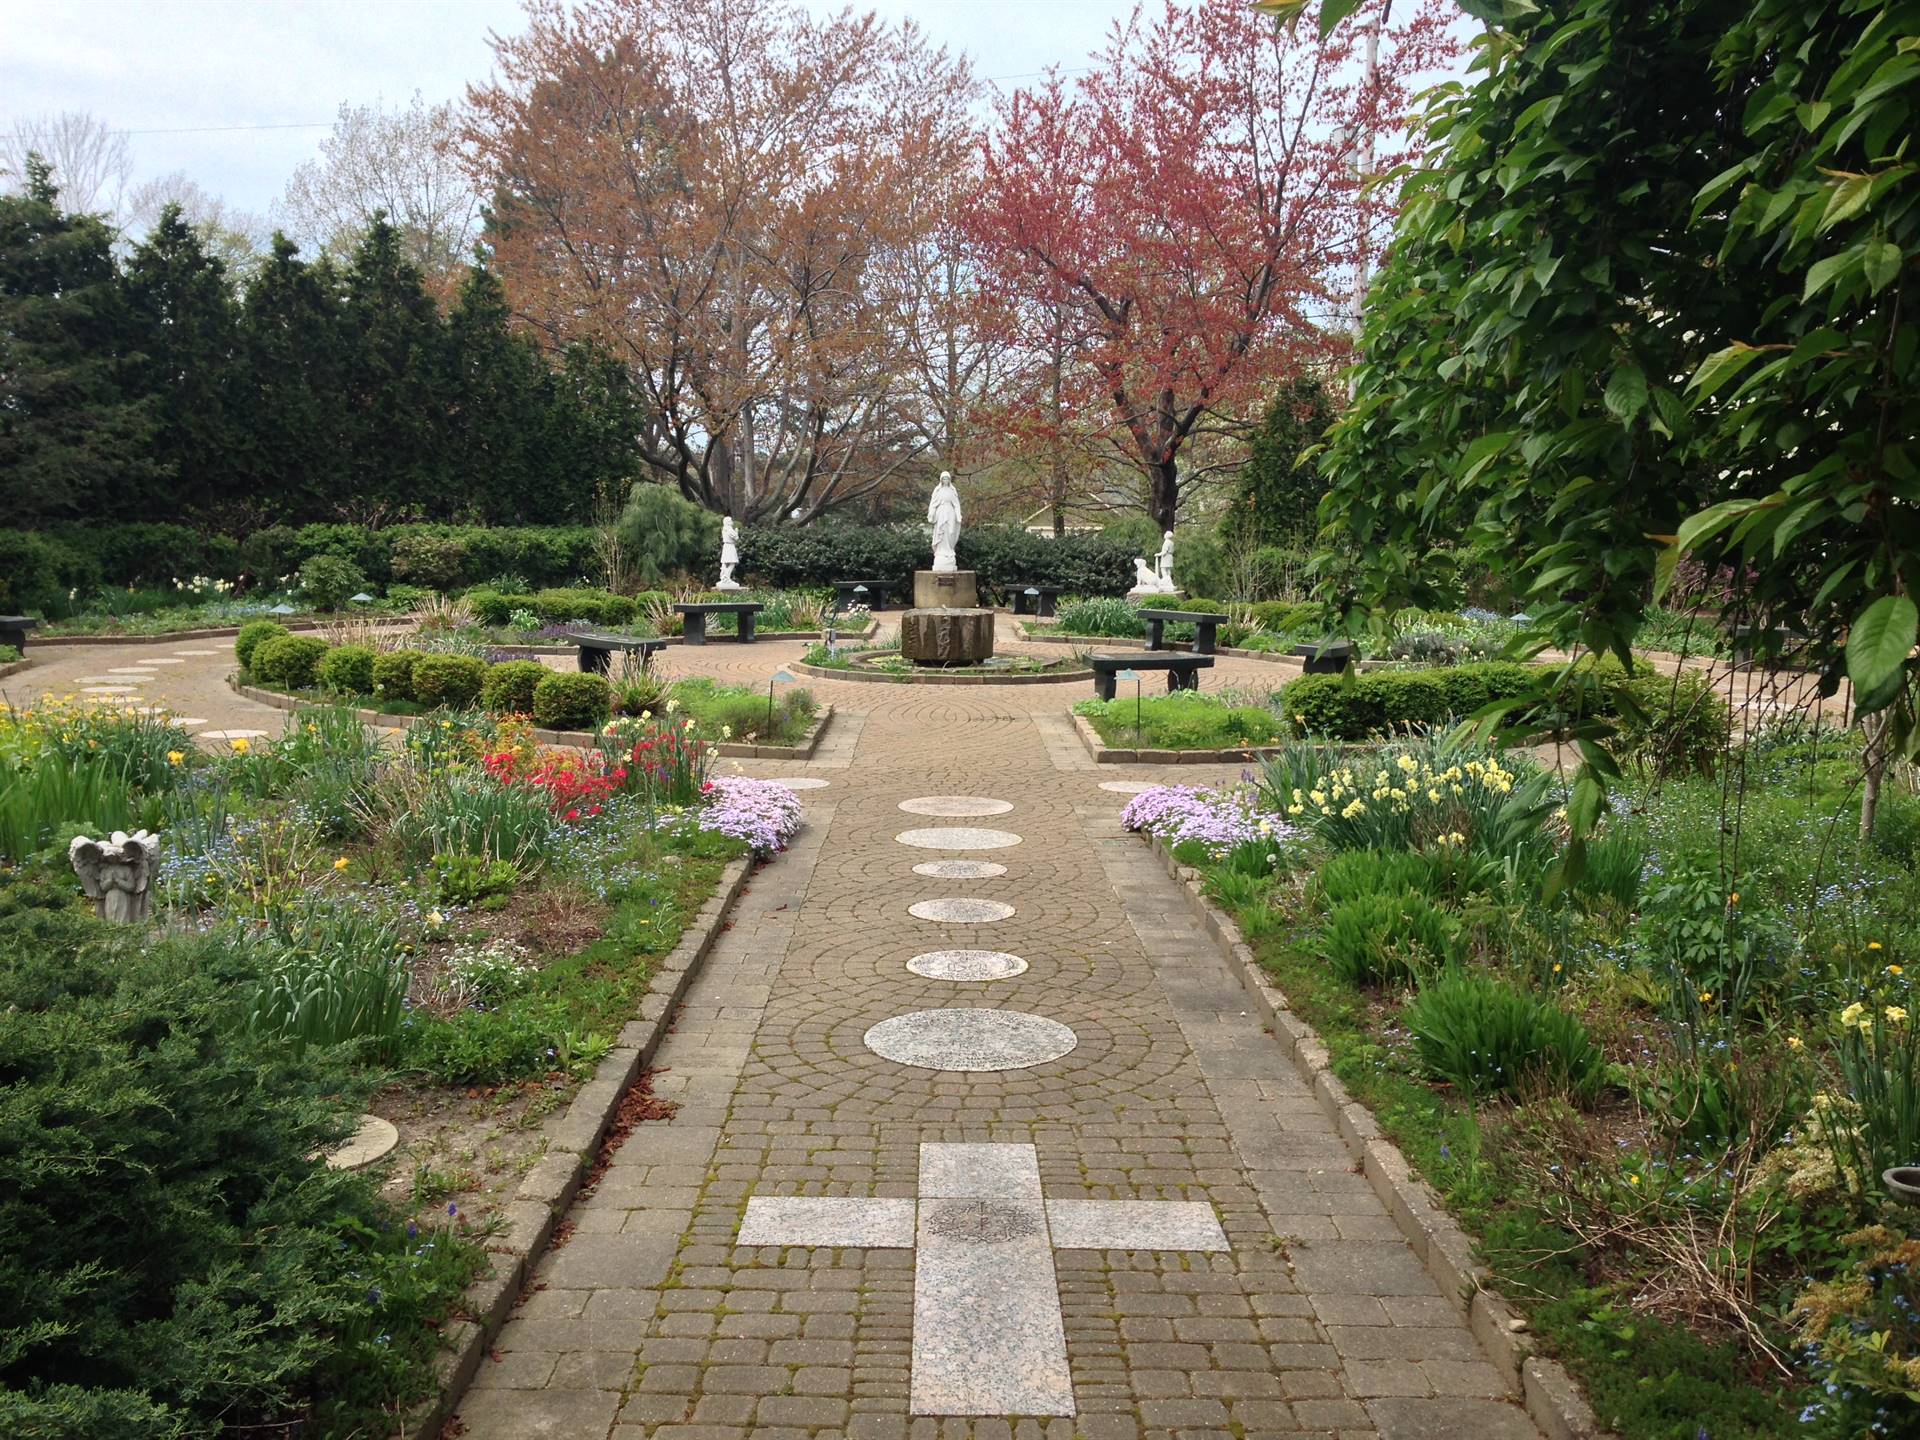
(945, 590)
(946, 636)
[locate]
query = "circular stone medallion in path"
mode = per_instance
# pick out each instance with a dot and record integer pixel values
(967, 965)
(960, 869)
(799, 782)
(961, 912)
(231, 734)
(957, 837)
(1129, 787)
(956, 805)
(970, 1039)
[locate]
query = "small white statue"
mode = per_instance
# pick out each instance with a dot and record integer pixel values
(1166, 561)
(729, 554)
(1147, 582)
(116, 873)
(943, 513)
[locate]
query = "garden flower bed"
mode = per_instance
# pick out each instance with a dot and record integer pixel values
(454, 933)
(1659, 1091)
(1183, 726)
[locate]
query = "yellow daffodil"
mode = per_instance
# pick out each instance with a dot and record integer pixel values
(340, 864)
(240, 745)
(176, 757)
(1895, 970)
(1851, 1015)
(1706, 997)
(1873, 944)
(1895, 1014)
(1794, 1042)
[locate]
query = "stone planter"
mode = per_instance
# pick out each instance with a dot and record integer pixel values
(946, 637)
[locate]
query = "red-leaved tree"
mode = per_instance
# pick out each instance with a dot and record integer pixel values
(1202, 199)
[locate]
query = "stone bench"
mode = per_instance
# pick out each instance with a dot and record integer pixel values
(695, 613)
(870, 593)
(596, 649)
(13, 630)
(1206, 626)
(1330, 657)
(1036, 600)
(1183, 670)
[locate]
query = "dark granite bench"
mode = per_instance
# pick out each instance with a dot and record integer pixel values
(596, 649)
(695, 614)
(1206, 626)
(13, 630)
(870, 593)
(1036, 600)
(1183, 670)
(1329, 657)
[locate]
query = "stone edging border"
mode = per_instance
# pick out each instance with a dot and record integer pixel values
(572, 1145)
(881, 677)
(1105, 754)
(14, 667)
(1551, 1397)
(1270, 657)
(529, 651)
(578, 738)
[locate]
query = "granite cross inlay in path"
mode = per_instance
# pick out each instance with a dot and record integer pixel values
(988, 1334)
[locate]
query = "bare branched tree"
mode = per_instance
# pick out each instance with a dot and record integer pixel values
(402, 162)
(236, 237)
(90, 162)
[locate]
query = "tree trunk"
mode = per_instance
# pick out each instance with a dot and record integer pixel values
(1163, 492)
(1878, 730)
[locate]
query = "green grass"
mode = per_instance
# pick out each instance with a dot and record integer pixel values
(1185, 720)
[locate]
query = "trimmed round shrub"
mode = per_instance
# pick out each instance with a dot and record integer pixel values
(450, 680)
(1486, 1037)
(571, 701)
(432, 560)
(489, 606)
(1371, 939)
(1673, 724)
(328, 582)
(393, 674)
(508, 688)
(291, 662)
(250, 638)
(596, 607)
(1286, 616)
(347, 670)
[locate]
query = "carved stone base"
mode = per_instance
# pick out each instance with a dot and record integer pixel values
(946, 637)
(945, 590)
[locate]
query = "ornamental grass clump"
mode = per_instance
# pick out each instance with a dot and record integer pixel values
(1486, 1037)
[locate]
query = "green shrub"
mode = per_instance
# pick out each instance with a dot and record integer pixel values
(1353, 873)
(1284, 617)
(40, 574)
(1615, 861)
(347, 670)
(291, 662)
(173, 1261)
(1486, 1037)
(450, 680)
(595, 607)
(1671, 724)
(1185, 720)
(1470, 687)
(429, 559)
(661, 532)
(1372, 939)
(1376, 702)
(489, 1047)
(508, 688)
(490, 607)
(571, 701)
(1199, 606)
(328, 582)
(250, 636)
(393, 674)
(8, 654)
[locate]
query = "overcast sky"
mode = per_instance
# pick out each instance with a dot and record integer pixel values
(202, 69)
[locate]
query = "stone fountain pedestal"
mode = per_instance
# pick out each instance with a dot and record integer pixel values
(946, 625)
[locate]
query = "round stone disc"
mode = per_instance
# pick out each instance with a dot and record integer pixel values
(108, 689)
(163, 660)
(956, 805)
(374, 1138)
(957, 837)
(231, 734)
(967, 965)
(1128, 787)
(186, 720)
(960, 869)
(960, 912)
(138, 672)
(800, 782)
(198, 652)
(970, 1039)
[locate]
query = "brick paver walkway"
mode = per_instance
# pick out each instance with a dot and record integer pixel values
(651, 1321)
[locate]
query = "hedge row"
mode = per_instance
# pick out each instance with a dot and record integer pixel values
(1005, 557)
(556, 699)
(38, 569)
(1676, 723)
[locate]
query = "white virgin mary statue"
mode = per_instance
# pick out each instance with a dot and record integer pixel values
(943, 513)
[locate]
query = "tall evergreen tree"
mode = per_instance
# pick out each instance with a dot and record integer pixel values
(396, 381)
(498, 394)
(184, 325)
(594, 418)
(292, 432)
(1276, 496)
(73, 441)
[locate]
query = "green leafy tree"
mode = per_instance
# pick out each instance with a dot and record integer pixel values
(185, 327)
(1276, 493)
(73, 440)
